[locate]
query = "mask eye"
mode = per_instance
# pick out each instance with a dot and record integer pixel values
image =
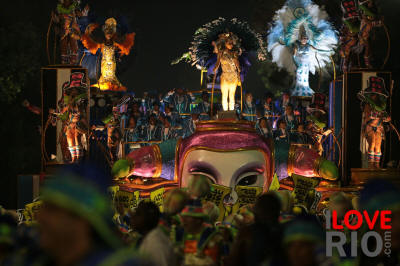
(209, 176)
(249, 180)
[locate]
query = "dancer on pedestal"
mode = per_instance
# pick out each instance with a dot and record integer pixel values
(301, 40)
(222, 48)
(374, 115)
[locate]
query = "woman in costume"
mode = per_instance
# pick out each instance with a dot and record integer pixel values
(374, 115)
(300, 40)
(73, 114)
(222, 47)
(227, 48)
(111, 44)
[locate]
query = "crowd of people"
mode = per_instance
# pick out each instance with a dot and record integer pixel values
(76, 226)
(155, 118)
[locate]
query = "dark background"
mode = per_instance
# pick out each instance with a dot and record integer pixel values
(164, 30)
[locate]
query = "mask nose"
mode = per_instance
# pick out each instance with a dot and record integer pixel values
(231, 198)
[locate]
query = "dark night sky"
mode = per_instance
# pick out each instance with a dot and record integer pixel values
(164, 30)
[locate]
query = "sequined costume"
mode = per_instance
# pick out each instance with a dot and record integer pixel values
(108, 79)
(66, 17)
(302, 61)
(301, 40)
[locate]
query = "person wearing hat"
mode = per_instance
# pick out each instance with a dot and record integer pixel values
(318, 119)
(75, 220)
(200, 243)
(304, 242)
(72, 113)
(374, 115)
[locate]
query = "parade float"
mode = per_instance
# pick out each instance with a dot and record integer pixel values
(82, 122)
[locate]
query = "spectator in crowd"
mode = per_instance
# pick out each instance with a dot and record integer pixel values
(153, 242)
(259, 242)
(75, 221)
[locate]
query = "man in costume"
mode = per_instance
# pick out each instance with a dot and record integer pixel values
(349, 32)
(369, 20)
(374, 115)
(200, 243)
(66, 16)
(204, 107)
(249, 108)
(318, 120)
(112, 43)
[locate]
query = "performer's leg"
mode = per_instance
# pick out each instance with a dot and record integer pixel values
(371, 148)
(224, 92)
(378, 151)
(79, 152)
(232, 89)
(64, 50)
(73, 55)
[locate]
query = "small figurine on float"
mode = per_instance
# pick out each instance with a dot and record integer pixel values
(301, 40)
(318, 119)
(73, 114)
(109, 47)
(222, 47)
(374, 115)
(66, 17)
(349, 33)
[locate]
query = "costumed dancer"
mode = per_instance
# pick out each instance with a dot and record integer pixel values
(228, 50)
(72, 114)
(66, 16)
(221, 47)
(109, 47)
(374, 115)
(369, 20)
(301, 40)
(318, 119)
(112, 123)
(349, 32)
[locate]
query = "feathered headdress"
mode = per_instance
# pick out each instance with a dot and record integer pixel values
(299, 18)
(201, 52)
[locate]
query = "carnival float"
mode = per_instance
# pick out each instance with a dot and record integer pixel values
(213, 132)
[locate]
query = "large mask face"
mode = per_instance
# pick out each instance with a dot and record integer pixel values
(227, 168)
